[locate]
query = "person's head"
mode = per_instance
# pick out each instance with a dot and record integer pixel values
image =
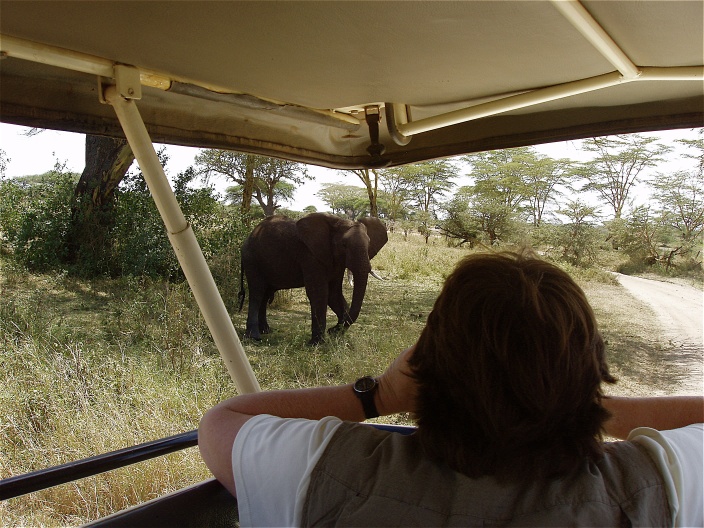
(509, 369)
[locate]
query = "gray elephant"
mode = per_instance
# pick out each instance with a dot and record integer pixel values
(313, 252)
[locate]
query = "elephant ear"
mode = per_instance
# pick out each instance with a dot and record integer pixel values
(376, 230)
(316, 231)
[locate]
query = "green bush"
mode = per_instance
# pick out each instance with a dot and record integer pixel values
(140, 243)
(11, 195)
(42, 222)
(38, 229)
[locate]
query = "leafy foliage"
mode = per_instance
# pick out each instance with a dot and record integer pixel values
(668, 232)
(512, 199)
(36, 218)
(268, 180)
(429, 181)
(618, 165)
(510, 187)
(578, 238)
(396, 191)
(370, 179)
(345, 200)
(36, 226)
(4, 160)
(680, 196)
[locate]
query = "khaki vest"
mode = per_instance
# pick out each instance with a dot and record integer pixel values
(368, 477)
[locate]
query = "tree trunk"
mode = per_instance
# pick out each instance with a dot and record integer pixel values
(107, 162)
(371, 187)
(248, 187)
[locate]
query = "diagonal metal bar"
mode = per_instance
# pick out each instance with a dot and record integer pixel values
(580, 18)
(185, 245)
(87, 467)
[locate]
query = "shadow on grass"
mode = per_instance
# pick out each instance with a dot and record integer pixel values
(654, 364)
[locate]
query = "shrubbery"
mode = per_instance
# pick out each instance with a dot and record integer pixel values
(40, 222)
(35, 219)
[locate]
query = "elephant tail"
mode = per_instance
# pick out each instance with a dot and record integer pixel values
(241, 293)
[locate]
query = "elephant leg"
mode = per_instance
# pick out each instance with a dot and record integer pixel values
(338, 305)
(252, 330)
(256, 308)
(264, 327)
(318, 308)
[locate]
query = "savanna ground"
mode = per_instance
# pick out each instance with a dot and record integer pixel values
(94, 366)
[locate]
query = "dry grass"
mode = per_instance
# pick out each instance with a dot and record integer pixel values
(94, 366)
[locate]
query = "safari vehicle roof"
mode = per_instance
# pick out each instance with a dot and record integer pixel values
(309, 81)
(296, 79)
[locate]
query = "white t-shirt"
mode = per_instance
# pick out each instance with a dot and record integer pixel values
(272, 460)
(679, 456)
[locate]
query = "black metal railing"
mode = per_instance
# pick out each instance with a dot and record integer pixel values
(88, 467)
(53, 476)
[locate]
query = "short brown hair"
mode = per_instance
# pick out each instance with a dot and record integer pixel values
(509, 369)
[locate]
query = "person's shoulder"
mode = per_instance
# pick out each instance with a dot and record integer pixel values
(689, 433)
(366, 438)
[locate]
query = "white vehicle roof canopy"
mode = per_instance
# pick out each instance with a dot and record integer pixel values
(295, 79)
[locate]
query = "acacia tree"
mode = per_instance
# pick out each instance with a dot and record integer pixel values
(618, 165)
(429, 181)
(461, 222)
(484, 211)
(370, 179)
(237, 167)
(680, 196)
(348, 200)
(503, 174)
(578, 236)
(107, 161)
(680, 199)
(697, 145)
(504, 182)
(541, 180)
(282, 191)
(258, 177)
(396, 184)
(644, 238)
(274, 182)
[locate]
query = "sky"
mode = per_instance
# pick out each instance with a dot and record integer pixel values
(39, 153)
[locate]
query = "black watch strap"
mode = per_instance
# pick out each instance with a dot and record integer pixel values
(364, 388)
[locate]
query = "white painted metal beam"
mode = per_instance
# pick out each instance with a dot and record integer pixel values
(514, 102)
(185, 244)
(595, 34)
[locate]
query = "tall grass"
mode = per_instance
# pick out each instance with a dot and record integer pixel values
(94, 366)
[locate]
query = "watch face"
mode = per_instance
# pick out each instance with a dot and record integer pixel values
(364, 384)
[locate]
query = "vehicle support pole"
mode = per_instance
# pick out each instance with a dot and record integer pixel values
(185, 244)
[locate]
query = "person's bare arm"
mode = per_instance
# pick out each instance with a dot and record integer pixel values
(659, 412)
(221, 424)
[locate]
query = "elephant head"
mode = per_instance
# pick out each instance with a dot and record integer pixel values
(340, 243)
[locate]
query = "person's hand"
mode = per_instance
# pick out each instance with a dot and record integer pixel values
(397, 387)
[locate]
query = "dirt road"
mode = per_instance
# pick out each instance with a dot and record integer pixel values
(679, 309)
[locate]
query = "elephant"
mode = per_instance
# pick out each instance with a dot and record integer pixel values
(311, 252)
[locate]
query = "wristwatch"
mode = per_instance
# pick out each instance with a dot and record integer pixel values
(364, 388)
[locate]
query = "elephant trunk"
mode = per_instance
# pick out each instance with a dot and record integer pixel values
(360, 288)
